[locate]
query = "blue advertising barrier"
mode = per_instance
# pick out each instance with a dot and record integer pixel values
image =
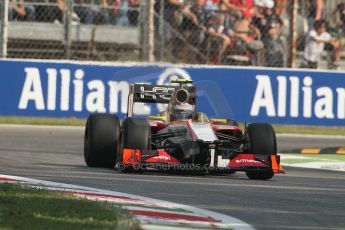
(50, 89)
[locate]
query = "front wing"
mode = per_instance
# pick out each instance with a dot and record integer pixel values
(242, 162)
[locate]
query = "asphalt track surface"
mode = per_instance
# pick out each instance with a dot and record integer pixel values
(301, 199)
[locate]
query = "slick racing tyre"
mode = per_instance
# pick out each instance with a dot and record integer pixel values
(262, 143)
(136, 134)
(101, 140)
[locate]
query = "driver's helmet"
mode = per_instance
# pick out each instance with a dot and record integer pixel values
(183, 111)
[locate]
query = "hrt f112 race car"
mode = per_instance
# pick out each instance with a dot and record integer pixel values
(179, 138)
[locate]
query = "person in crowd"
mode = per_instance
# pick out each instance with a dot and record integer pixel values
(265, 17)
(316, 40)
(92, 11)
(242, 27)
(315, 43)
(243, 35)
(50, 10)
(246, 38)
(133, 12)
(339, 24)
(281, 7)
(238, 10)
(315, 12)
(119, 12)
(338, 34)
(60, 9)
(21, 11)
(171, 17)
(173, 13)
(194, 17)
(171, 8)
(340, 11)
(100, 12)
(193, 27)
(270, 26)
(218, 35)
(212, 5)
(241, 13)
(83, 10)
(239, 5)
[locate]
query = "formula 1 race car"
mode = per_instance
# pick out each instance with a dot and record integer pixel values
(179, 138)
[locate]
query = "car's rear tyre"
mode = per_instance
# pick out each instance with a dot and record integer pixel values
(101, 140)
(262, 143)
(136, 134)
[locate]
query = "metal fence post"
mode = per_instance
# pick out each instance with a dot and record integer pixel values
(143, 26)
(161, 30)
(151, 31)
(293, 34)
(4, 28)
(147, 30)
(68, 27)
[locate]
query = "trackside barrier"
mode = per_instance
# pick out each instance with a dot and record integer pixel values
(278, 96)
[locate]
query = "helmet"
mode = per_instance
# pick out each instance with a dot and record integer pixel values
(183, 111)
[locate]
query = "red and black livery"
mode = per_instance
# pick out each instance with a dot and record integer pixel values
(166, 142)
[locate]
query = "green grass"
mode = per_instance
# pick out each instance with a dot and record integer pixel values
(306, 158)
(325, 130)
(29, 208)
(298, 161)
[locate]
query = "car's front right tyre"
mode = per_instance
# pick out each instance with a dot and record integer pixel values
(101, 140)
(262, 143)
(135, 134)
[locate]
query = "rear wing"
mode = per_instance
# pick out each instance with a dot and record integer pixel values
(145, 93)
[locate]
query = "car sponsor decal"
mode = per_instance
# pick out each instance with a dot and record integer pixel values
(203, 131)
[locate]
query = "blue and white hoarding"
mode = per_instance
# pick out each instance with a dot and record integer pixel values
(50, 89)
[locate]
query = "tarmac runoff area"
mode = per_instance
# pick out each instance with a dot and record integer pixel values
(151, 213)
(315, 161)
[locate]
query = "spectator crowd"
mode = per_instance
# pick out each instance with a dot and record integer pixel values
(230, 31)
(212, 31)
(255, 31)
(116, 12)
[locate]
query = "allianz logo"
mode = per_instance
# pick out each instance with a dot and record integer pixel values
(69, 94)
(296, 97)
